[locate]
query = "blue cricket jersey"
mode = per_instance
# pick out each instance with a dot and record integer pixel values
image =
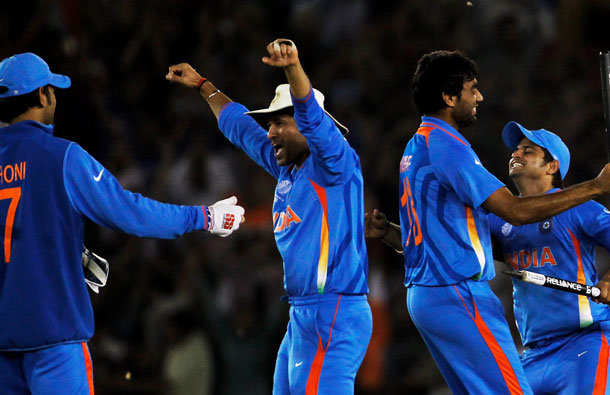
(318, 209)
(445, 231)
(562, 247)
(48, 187)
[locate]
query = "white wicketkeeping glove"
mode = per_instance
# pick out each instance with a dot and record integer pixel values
(225, 217)
(96, 270)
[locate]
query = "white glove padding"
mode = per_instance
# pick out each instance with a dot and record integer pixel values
(225, 217)
(96, 270)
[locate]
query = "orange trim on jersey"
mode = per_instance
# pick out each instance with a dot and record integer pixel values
(584, 309)
(15, 195)
(474, 237)
(601, 374)
(324, 242)
(506, 369)
(88, 367)
(313, 381)
(424, 131)
(431, 126)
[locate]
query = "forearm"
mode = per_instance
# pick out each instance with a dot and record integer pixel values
(214, 97)
(392, 237)
(298, 80)
(531, 209)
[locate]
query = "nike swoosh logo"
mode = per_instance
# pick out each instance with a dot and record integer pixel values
(584, 352)
(296, 365)
(476, 162)
(99, 176)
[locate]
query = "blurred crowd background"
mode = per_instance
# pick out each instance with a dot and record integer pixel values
(202, 315)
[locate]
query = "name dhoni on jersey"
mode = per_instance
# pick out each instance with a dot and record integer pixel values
(282, 220)
(11, 173)
(524, 259)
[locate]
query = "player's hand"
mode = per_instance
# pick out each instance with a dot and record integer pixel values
(376, 225)
(604, 287)
(225, 217)
(184, 74)
(282, 53)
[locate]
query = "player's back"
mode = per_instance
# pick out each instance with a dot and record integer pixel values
(445, 233)
(42, 293)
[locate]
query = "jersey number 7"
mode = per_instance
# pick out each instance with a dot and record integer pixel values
(15, 195)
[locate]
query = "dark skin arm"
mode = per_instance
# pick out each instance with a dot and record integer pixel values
(186, 75)
(530, 209)
(377, 226)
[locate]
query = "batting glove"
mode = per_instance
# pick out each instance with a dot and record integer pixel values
(225, 217)
(96, 270)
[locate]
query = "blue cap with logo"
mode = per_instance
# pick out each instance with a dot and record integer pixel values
(26, 72)
(513, 133)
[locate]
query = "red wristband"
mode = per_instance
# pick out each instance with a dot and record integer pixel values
(201, 81)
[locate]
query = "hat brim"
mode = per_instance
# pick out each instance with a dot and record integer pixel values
(60, 81)
(514, 132)
(262, 116)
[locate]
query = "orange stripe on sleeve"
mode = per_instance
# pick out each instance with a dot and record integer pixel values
(88, 367)
(506, 368)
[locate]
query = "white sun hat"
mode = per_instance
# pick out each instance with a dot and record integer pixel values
(282, 101)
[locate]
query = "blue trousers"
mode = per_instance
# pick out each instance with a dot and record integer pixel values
(464, 327)
(573, 364)
(62, 369)
(324, 345)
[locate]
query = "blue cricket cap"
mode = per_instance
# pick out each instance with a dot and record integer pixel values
(513, 133)
(26, 72)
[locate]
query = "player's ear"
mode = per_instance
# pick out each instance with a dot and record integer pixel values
(42, 97)
(553, 167)
(449, 100)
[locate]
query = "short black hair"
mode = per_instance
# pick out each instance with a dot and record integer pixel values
(557, 182)
(12, 107)
(440, 72)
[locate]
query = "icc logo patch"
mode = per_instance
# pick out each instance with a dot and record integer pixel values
(506, 228)
(545, 226)
(284, 187)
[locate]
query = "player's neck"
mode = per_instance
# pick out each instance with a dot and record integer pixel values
(532, 188)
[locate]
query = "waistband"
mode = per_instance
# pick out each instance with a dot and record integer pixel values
(324, 298)
(549, 340)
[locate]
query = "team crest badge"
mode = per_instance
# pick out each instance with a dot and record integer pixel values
(545, 226)
(506, 228)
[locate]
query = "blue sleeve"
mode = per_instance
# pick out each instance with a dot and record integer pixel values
(95, 193)
(458, 167)
(331, 153)
(595, 222)
(495, 225)
(247, 135)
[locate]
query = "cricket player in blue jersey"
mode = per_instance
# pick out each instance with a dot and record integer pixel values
(445, 196)
(317, 219)
(48, 188)
(566, 335)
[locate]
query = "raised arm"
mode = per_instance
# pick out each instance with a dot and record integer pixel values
(186, 75)
(529, 209)
(283, 53)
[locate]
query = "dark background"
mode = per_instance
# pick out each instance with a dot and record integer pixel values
(205, 311)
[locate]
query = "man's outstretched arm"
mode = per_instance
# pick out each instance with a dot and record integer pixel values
(186, 75)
